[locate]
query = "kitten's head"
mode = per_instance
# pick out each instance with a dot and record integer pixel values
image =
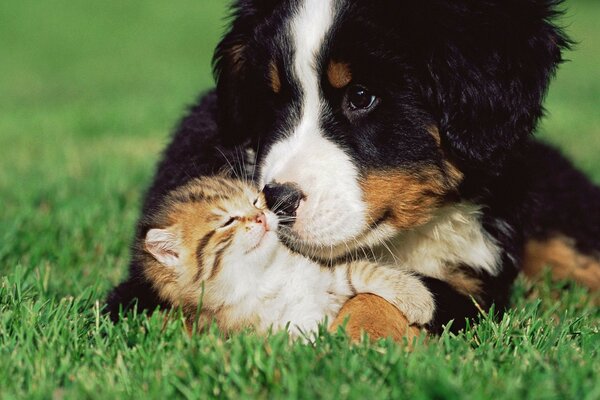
(211, 229)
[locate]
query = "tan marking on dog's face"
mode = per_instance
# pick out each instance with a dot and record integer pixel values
(404, 199)
(435, 133)
(455, 176)
(236, 57)
(274, 77)
(560, 255)
(339, 74)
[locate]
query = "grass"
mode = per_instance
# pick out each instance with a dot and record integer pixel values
(88, 93)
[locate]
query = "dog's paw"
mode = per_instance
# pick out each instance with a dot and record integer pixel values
(376, 317)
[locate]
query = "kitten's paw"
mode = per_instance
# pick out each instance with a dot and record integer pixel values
(416, 302)
(421, 309)
(400, 288)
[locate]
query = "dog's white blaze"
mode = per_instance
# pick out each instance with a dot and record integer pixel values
(309, 29)
(334, 211)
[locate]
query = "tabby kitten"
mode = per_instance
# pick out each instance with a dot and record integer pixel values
(213, 242)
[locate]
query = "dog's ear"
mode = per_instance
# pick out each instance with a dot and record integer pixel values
(489, 64)
(232, 71)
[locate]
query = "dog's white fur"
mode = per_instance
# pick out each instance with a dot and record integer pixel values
(333, 211)
(453, 237)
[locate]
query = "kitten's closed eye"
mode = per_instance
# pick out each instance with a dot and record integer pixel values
(229, 222)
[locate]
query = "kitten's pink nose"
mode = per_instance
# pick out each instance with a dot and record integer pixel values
(261, 219)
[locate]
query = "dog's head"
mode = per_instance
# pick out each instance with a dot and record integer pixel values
(375, 111)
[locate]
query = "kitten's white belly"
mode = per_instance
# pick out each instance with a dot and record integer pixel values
(297, 293)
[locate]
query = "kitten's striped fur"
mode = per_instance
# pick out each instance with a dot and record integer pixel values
(214, 243)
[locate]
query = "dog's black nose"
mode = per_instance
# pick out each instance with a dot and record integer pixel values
(283, 199)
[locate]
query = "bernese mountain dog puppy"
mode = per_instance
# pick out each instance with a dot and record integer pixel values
(396, 129)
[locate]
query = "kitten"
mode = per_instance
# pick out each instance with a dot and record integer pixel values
(213, 242)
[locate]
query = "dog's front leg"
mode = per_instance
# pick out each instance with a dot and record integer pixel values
(370, 314)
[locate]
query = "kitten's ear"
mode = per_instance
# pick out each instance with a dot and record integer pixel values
(165, 247)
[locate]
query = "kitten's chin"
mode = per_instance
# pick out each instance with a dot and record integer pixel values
(265, 247)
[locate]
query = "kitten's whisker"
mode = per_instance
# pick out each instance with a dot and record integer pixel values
(231, 167)
(351, 253)
(255, 162)
(361, 248)
(384, 243)
(242, 164)
(238, 163)
(331, 256)
(280, 202)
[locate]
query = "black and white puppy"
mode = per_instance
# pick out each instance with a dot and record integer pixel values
(400, 129)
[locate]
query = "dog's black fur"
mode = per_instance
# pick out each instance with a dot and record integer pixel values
(476, 70)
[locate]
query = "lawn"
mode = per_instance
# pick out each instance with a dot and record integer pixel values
(89, 91)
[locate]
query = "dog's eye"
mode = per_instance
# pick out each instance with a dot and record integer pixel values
(360, 98)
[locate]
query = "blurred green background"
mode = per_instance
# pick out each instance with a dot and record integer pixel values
(89, 93)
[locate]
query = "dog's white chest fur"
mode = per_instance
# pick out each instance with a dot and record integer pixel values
(453, 237)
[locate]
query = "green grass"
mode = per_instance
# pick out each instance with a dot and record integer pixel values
(88, 93)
